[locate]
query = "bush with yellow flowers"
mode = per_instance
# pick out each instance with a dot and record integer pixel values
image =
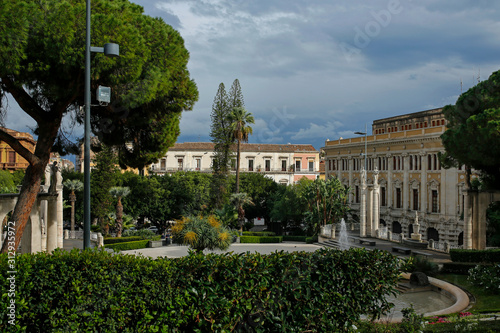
(201, 232)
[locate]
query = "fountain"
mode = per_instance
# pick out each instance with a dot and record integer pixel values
(343, 239)
(416, 237)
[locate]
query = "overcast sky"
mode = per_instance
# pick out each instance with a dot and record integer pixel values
(312, 70)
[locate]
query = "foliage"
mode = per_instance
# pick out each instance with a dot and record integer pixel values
(73, 176)
(327, 202)
(74, 185)
(42, 69)
(128, 245)
(476, 256)
(7, 182)
(18, 176)
(287, 238)
(263, 192)
(228, 216)
(103, 178)
(114, 240)
(457, 267)
(493, 220)
(119, 192)
(313, 239)
(486, 276)
(412, 322)
(201, 233)
(424, 265)
(240, 201)
(143, 233)
(324, 291)
(289, 206)
(261, 239)
(472, 137)
(258, 233)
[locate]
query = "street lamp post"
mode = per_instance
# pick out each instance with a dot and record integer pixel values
(362, 227)
(112, 50)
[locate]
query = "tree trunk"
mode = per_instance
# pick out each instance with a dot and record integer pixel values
(72, 198)
(238, 168)
(27, 197)
(119, 217)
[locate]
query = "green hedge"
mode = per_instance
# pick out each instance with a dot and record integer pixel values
(475, 256)
(259, 233)
(294, 238)
(114, 240)
(128, 245)
(310, 240)
(95, 291)
(256, 239)
(461, 268)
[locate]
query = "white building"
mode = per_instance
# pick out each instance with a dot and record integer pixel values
(285, 164)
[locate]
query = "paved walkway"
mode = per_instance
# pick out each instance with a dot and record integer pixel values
(176, 251)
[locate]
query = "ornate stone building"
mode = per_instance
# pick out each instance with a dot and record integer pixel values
(402, 152)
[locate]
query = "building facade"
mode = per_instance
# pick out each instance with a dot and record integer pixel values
(285, 164)
(403, 177)
(9, 159)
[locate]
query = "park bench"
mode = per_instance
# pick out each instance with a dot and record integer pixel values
(418, 253)
(366, 241)
(401, 249)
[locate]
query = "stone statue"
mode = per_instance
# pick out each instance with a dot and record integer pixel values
(363, 176)
(54, 169)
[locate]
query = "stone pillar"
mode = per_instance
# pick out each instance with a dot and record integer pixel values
(362, 207)
(350, 166)
(369, 212)
(52, 227)
(423, 186)
(60, 224)
(406, 185)
(467, 220)
(389, 196)
(376, 202)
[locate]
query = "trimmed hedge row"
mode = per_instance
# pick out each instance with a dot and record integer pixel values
(256, 239)
(95, 291)
(114, 240)
(461, 268)
(294, 238)
(259, 233)
(475, 256)
(310, 240)
(128, 245)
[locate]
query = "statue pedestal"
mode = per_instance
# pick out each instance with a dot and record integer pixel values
(417, 237)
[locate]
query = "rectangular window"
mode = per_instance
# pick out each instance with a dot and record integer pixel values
(434, 201)
(398, 197)
(268, 165)
(180, 163)
(250, 165)
(297, 165)
(415, 199)
(163, 164)
(311, 165)
(283, 165)
(382, 197)
(233, 164)
(198, 163)
(12, 157)
(357, 194)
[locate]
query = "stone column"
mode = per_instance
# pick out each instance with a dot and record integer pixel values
(350, 166)
(467, 220)
(52, 227)
(388, 190)
(376, 202)
(406, 185)
(362, 207)
(369, 211)
(423, 186)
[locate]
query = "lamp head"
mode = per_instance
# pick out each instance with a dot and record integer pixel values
(112, 50)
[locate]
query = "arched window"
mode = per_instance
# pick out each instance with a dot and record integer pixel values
(396, 227)
(432, 233)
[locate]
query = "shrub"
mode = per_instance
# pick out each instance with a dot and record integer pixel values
(424, 265)
(128, 245)
(256, 239)
(461, 268)
(486, 276)
(202, 233)
(258, 233)
(294, 238)
(94, 291)
(143, 233)
(310, 240)
(113, 240)
(476, 256)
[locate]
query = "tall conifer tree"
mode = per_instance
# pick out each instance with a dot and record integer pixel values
(222, 139)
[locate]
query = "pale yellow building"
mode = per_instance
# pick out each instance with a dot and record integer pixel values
(403, 151)
(9, 159)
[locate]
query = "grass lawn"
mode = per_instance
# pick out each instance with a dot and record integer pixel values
(485, 300)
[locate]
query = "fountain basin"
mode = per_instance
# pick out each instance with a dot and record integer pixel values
(415, 243)
(439, 298)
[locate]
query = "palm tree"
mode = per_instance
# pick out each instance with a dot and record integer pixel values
(238, 119)
(119, 192)
(74, 186)
(239, 200)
